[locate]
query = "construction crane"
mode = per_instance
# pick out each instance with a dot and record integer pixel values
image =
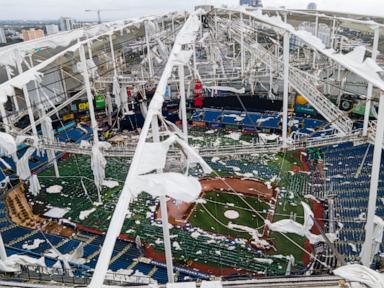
(98, 11)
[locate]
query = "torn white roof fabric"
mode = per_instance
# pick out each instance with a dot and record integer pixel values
(226, 88)
(290, 226)
(253, 232)
(34, 185)
(174, 185)
(98, 162)
(22, 165)
(153, 157)
(361, 274)
(7, 143)
(13, 262)
(155, 154)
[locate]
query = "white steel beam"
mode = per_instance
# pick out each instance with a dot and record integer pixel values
(164, 214)
(366, 258)
(191, 26)
(183, 102)
(242, 49)
(113, 55)
(333, 33)
(368, 102)
(149, 56)
(286, 88)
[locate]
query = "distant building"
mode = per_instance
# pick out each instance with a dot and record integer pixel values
(2, 36)
(252, 3)
(79, 24)
(32, 34)
(312, 6)
(52, 29)
(66, 23)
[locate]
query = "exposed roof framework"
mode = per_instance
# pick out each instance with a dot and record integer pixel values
(164, 53)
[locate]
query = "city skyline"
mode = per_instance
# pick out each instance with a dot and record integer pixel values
(54, 9)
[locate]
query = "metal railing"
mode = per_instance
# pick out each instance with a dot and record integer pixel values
(73, 276)
(211, 150)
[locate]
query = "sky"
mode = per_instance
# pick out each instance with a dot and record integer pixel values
(53, 9)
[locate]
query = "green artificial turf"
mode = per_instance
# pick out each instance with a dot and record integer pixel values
(137, 222)
(217, 204)
(282, 244)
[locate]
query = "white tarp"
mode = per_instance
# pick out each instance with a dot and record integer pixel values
(290, 226)
(7, 88)
(154, 157)
(34, 185)
(36, 244)
(24, 78)
(110, 183)
(361, 274)
(74, 257)
(7, 144)
(46, 129)
(84, 214)
(13, 262)
(56, 212)
(175, 185)
(98, 162)
(54, 189)
(253, 232)
(22, 165)
(268, 137)
(226, 88)
(6, 91)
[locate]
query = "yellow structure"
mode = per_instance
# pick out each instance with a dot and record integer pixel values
(300, 100)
